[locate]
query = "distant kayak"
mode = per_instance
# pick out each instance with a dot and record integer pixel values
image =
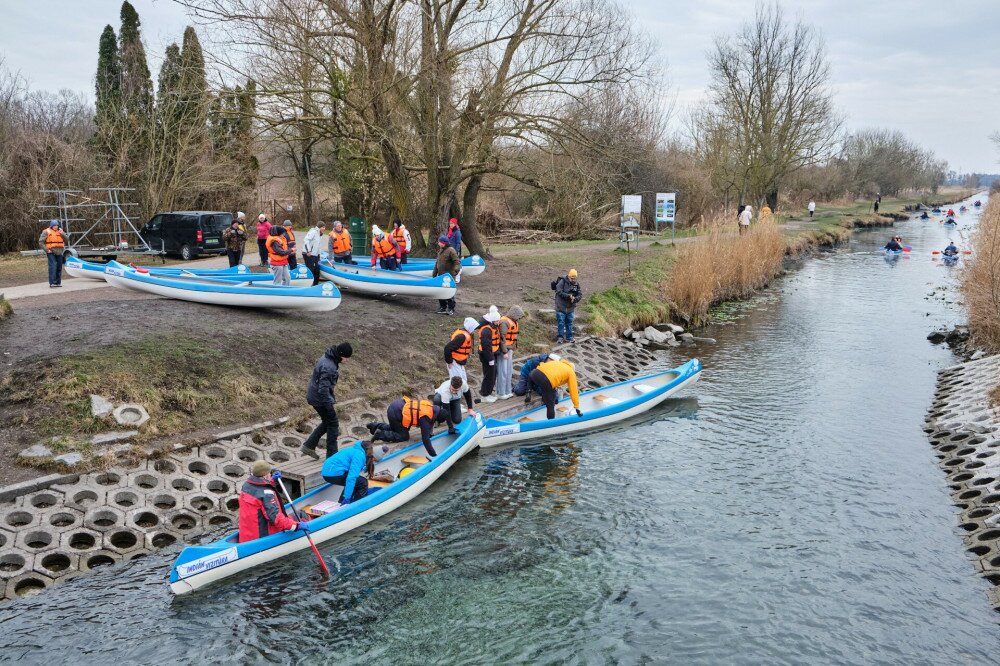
(950, 259)
(893, 253)
(950, 220)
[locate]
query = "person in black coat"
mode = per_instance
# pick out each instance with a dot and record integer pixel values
(320, 396)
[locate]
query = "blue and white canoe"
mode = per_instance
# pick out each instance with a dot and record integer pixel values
(892, 253)
(301, 276)
(365, 280)
(321, 298)
(198, 566)
(473, 265)
(600, 407)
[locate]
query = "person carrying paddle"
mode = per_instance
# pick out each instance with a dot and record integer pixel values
(951, 250)
(345, 469)
(261, 512)
(549, 376)
(404, 414)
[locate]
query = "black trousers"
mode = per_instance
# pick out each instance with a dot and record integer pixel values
(489, 375)
(234, 257)
(360, 486)
(263, 251)
(545, 389)
(525, 387)
(329, 426)
(389, 264)
(446, 304)
(292, 262)
(312, 263)
(452, 411)
(346, 259)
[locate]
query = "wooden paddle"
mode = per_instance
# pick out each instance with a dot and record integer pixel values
(322, 563)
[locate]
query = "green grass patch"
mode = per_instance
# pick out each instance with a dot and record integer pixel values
(637, 300)
(6, 309)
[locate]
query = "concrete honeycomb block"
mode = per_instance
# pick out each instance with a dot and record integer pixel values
(185, 521)
(215, 452)
(163, 466)
(248, 454)
(144, 518)
(37, 539)
(44, 499)
(104, 519)
(18, 518)
(162, 537)
(144, 481)
(98, 559)
(197, 468)
(84, 495)
(13, 563)
(107, 480)
(201, 503)
(163, 501)
(126, 498)
(63, 518)
(132, 415)
(57, 563)
(261, 440)
(233, 470)
(124, 540)
(293, 441)
(79, 540)
(220, 520)
(280, 456)
(178, 485)
(6, 537)
(27, 585)
(231, 505)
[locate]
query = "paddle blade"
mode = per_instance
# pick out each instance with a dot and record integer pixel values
(907, 249)
(936, 252)
(967, 252)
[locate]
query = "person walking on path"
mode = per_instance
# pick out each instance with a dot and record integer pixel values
(345, 469)
(286, 230)
(878, 201)
(384, 250)
(401, 235)
(811, 207)
(54, 242)
(263, 233)
(552, 374)
(340, 244)
(320, 397)
(447, 262)
(455, 236)
(448, 397)
(234, 240)
(261, 512)
(277, 256)
(507, 328)
(745, 217)
(459, 348)
(311, 248)
(568, 295)
(405, 413)
(488, 339)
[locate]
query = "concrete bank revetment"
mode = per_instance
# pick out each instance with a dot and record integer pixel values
(86, 521)
(964, 428)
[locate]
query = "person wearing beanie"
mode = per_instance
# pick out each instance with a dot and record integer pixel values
(320, 396)
(448, 396)
(401, 235)
(385, 250)
(54, 242)
(447, 263)
(286, 231)
(507, 328)
(459, 347)
(454, 236)
(263, 231)
(488, 338)
(568, 295)
(261, 510)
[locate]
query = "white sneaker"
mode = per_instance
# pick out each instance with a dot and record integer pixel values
(489, 398)
(505, 397)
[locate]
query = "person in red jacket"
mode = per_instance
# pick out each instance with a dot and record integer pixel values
(261, 511)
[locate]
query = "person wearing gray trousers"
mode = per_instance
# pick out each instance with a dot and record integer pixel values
(282, 275)
(505, 358)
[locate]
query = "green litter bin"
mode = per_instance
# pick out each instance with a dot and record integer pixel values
(358, 229)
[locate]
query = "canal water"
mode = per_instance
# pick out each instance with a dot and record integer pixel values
(788, 509)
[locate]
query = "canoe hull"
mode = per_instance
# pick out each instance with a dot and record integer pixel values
(471, 266)
(510, 431)
(78, 268)
(376, 282)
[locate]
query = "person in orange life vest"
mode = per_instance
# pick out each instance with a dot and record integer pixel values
(261, 510)
(404, 414)
(488, 344)
(277, 256)
(507, 328)
(401, 235)
(340, 244)
(263, 231)
(459, 348)
(385, 250)
(53, 241)
(286, 230)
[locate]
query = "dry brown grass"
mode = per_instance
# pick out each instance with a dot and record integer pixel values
(981, 280)
(723, 267)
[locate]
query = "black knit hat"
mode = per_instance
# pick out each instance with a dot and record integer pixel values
(345, 349)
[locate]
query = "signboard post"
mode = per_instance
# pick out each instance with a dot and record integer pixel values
(666, 208)
(630, 225)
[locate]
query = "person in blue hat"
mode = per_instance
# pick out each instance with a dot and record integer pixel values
(54, 242)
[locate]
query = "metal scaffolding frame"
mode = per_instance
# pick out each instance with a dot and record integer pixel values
(117, 224)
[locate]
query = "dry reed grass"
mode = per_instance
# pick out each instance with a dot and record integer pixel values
(981, 280)
(723, 267)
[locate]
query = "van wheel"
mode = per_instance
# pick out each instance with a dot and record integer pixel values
(186, 253)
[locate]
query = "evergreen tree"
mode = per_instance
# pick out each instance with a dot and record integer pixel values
(108, 81)
(192, 90)
(170, 76)
(136, 83)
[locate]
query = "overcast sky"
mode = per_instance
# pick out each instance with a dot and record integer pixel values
(930, 68)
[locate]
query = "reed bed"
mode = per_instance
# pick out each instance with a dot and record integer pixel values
(981, 280)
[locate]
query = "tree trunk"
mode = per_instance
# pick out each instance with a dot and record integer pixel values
(305, 182)
(772, 200)
(467, 223)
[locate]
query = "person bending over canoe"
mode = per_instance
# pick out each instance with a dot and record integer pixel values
(448, 397)
(404, 414)
(893, 245)
(261, 511)
(524, 384)
(951, 250)
(344, 468)
(549, 376)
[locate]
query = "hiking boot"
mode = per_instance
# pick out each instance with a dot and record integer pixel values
(440, 311)
(309, 452)
(452, 431)
(450, 313)
(372, 426)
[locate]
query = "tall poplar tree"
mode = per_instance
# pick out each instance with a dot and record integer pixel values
(136, 83)
(108, 81)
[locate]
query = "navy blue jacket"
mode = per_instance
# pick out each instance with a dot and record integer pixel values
(324, 379)
(531, 364)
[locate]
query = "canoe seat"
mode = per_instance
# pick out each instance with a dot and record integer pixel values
(416, 460)
(372, 483)
(600, 397)
(524, 419)
(643, 388)
(563, 410)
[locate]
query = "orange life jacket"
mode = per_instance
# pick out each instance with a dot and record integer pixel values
(413, 410)
(291, 236)
(511, 338)
(400, 235)
(53, 239)
(383, 249)
(462, 353)
(341, 241)
(495, 337)
(274, 258)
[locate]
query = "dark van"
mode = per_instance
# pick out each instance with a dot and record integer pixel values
(187, 233)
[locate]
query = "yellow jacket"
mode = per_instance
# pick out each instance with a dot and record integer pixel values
(561, 372)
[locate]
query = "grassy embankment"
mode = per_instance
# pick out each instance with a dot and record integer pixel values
(981, 281)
